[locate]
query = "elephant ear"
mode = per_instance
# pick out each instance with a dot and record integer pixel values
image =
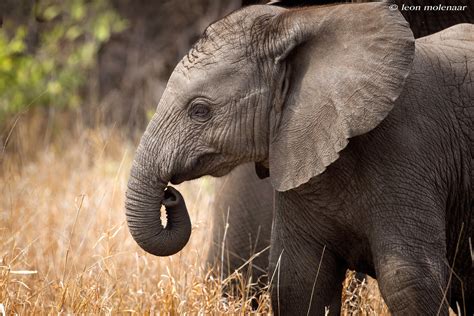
(347, 66)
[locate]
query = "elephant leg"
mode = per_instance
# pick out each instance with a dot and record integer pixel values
(243, 214)
(411, 287)
(470, 300)
(412, 274)
(305, 278)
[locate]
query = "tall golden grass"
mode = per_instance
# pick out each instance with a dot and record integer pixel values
(65, 246)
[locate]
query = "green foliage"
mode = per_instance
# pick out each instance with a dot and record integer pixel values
(52, 72)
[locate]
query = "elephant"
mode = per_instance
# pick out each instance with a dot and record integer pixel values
(366, 136)
(249, 226)
(242, 218)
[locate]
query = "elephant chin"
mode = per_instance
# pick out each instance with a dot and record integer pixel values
(143, 204)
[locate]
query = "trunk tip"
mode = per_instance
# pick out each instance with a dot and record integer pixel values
(172, 197)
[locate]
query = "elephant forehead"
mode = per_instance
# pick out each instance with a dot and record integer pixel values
(202, 54)
(206, 79)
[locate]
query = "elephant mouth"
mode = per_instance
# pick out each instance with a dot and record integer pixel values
(178, 179)
(213, 164)
(195, 169)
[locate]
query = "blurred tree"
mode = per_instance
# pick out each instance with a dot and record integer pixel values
(47, 63)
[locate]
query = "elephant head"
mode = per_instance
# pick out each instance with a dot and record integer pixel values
(283, 88)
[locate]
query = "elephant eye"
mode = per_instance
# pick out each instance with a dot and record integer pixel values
(200, 112)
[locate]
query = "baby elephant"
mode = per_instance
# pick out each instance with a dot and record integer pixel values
(367, 137)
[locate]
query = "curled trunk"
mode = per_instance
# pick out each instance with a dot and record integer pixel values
(143, 203)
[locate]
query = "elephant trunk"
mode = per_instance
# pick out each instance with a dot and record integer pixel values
(143, 203)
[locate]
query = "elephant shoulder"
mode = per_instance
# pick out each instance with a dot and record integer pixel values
(457, 44)
(459, 36)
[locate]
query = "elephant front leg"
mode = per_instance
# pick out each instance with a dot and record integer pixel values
(411, 268)
(306, 278)
(412, 286)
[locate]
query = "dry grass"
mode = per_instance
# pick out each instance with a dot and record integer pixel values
(65, 246)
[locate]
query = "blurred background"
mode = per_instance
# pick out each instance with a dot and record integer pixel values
(103, 62)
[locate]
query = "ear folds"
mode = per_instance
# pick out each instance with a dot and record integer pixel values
(348, 66)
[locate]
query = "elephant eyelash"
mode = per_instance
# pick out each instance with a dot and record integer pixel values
(200, 111)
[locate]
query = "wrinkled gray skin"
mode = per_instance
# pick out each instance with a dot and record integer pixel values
(368, 140)
(250, 201)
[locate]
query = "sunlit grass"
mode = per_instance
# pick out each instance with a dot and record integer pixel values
(65, 246)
